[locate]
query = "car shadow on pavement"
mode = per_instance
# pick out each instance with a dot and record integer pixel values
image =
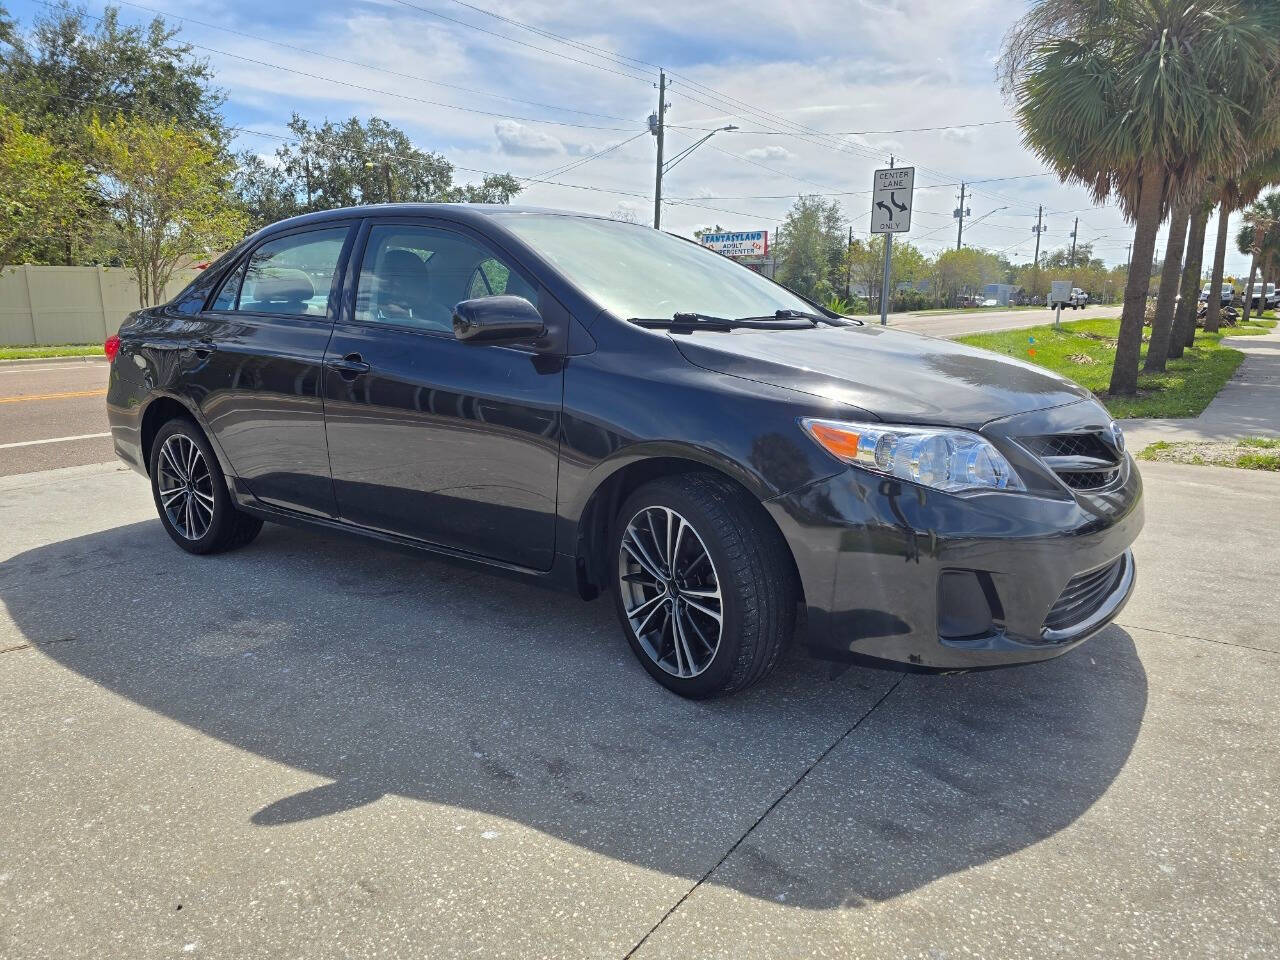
(392, 674)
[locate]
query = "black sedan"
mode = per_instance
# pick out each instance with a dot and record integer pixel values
(617, 410)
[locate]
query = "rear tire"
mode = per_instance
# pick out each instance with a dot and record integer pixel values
(667, 596)
(190, 492)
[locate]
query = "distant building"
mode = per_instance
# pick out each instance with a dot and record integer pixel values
(1001, 293)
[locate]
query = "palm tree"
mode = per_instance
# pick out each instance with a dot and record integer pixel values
(1162, 323)
(1235, 192)
(1260, 236)
(1139, 100)
(1183, 334)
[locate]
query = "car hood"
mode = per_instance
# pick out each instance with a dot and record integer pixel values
(898, 376)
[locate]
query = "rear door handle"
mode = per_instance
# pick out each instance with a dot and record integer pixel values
(203, 347)
(350, 366)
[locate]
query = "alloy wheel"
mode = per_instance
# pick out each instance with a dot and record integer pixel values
(185, 486)
(670, 591)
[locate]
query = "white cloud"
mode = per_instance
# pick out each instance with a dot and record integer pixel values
(773, 152)
(965, 136)
(919, 64)
(518, 140)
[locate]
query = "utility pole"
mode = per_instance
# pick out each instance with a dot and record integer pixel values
(658, 130)
(1037, 230)
(1128, 257)
(848, 265)
(960, 214)
(1074, 231)
(386, 173)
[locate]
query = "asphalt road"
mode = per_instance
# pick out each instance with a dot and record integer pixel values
(314, 748)
(42, 404)
(52, 413)
(962, 322)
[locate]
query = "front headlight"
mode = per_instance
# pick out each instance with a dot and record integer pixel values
(933, 456)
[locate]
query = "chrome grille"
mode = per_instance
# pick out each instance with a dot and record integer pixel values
(1083, 595)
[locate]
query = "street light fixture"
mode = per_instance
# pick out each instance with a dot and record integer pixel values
(694, 146)
(656, 123)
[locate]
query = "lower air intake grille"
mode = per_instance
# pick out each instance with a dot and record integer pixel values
(1087, 479)
(1083, 595)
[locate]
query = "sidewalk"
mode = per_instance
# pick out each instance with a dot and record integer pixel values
(1248, 406)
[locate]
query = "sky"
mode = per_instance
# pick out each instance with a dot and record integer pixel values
(823, 92)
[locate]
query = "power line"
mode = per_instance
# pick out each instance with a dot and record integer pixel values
(860, 133)
(359, 63)
(390, 93)
(532, 46)
(565, 168)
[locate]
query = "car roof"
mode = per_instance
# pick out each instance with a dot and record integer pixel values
(463, 212)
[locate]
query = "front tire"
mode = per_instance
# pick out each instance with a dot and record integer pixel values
(703, 585)
(191, 493)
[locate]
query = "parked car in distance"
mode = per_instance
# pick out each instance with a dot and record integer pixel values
(1228, 294)
(615, 410)
(991, 302)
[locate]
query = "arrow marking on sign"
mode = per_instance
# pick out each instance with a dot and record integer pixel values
(884, 206)
(894, 200)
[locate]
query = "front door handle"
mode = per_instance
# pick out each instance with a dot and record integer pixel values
(350, 366)
(203, 347)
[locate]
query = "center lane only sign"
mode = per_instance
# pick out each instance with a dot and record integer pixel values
(891, 193)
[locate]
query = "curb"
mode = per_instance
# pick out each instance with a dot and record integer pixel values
(80, 359)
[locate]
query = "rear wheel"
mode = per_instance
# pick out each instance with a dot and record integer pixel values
(703, 585)
(191, 494)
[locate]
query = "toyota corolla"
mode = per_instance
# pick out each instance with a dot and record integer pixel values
(619, 411)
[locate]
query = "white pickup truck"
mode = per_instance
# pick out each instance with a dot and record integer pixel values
(1076, 300)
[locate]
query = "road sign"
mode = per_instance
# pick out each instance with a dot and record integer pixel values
(891, 191)
(752, 243)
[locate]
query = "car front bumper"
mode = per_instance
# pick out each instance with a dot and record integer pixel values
(898, 572)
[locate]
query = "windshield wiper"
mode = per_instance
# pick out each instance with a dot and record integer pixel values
(681, 322)
(807, 315)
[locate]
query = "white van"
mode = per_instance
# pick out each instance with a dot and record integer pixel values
(1262, 294)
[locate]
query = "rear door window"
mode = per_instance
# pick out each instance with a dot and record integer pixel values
(288, 276)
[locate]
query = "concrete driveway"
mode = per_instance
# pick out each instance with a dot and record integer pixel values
(314, 748)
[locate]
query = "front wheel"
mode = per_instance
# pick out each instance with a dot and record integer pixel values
(704, 586)
(191, 493)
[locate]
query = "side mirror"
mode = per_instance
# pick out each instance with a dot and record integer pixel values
(502, 319)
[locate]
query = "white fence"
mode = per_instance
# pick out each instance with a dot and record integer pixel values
(52, 305)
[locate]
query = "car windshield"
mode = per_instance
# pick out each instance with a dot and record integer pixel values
(637, 272)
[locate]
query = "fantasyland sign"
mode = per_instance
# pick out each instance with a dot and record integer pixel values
(753, 243)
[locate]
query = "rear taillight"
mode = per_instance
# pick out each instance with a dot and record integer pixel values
(111, 347)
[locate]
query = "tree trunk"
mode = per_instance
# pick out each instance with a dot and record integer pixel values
(1162, 325)
(1184, 326)
(1213, 314)
(1124, 373)
(1248, 291)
